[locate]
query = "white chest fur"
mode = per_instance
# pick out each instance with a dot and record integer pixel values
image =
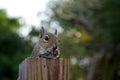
(42, 50)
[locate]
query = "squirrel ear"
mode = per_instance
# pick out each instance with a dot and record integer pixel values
(41, 33)
(55, 32)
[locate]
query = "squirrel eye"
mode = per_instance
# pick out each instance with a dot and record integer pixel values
(46, 38)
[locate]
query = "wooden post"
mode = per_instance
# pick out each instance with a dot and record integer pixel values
(44, 69)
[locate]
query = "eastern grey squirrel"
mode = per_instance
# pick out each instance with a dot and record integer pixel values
(47, 46)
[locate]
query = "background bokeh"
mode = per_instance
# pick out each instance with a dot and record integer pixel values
(90, 38)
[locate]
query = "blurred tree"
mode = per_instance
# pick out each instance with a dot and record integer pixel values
(13, 48)
(91, 31)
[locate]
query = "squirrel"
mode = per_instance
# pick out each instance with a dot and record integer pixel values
(47, 46)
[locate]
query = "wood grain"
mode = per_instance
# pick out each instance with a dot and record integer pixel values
(44, 69)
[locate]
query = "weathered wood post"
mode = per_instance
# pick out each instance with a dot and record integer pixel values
(44, 69)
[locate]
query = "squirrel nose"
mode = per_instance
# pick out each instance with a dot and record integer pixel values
(54, 48)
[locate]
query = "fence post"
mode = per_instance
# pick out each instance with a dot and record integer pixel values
(44, 69)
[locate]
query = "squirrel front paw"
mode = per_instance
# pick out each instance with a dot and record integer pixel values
(55, 53)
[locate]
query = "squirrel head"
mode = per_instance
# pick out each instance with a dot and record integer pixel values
(48, 41)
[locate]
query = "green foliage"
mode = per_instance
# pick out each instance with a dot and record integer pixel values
(97, 23)
(5, 21)
(13, 48)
